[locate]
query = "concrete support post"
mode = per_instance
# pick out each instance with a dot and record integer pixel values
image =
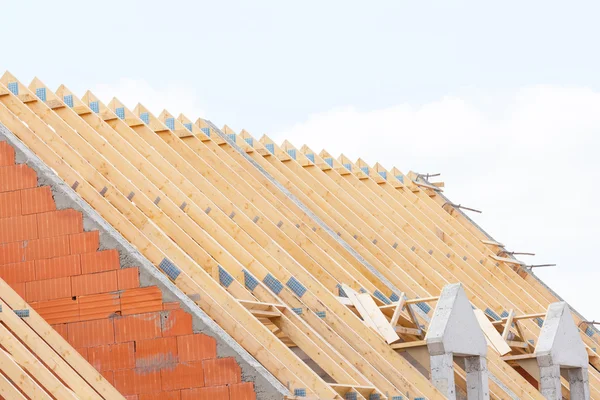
(550, 382)
(442, 374)
(579, 385)
(477, 378)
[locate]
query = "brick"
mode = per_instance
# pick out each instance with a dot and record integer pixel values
(137, 327)
(196, 347)
(48, 289)
(157, 352)
(137, 381)
(12, 253)
(14, 229)
(58, 311)
(141, 300)
(83, 351)
(173, 395)
(58, 223)
(98, 306)
(112, 357)
(37, 200)
(10, 204)
(7, 154)
(182, 376)
(91, 333)
(20, 288)
(94, 283)
(221, 371)
(100, 261)
(18, 272)
(86, 242)
(15, 177)
(58, 267)
(172, 305)
(128, 278)
(109, 376)
(51, 247)
(206, 393)
(62, 330)
(242, 391)
(177, 322)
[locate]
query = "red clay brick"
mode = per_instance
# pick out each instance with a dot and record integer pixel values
(172, 305)
(112, 357)
(58, 223)
(221, 371)
(91, 333)
(20, 288)
(83, 351)
(14, 229)
(48, 289)
(94, 283)
(173, 395)
(51, 247)
(242, 391)
(98, 306)
(18, 272)
(99, 261)
(62, 330)
(10, 204)
(177, 322)
(137, 327)
(37, 200)
(58, 311)
(58, 267)
(17, 177)
(109, 376)
(137, 381)
(86, 242)
(157, 352)
(196, 347)
(141, 300)
(7, 154)
(206, 393)
(182, 376)
(12, 253)
(128, 278)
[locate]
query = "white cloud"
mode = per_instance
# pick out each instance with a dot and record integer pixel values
(175, 99)
(528, 158)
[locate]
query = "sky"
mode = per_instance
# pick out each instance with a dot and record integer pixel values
(501, 98)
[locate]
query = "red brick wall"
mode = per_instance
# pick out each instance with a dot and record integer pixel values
(144, 347)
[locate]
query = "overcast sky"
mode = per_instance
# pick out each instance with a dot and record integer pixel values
(502, 98)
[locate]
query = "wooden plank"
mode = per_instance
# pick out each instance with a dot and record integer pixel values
(509, 321)
(491, 334)
(506, 260)
(409, 345)
(380, 321)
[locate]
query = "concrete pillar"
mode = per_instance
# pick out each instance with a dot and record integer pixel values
(550, 382)
(477, 378)
(442, 374)
(579, 385)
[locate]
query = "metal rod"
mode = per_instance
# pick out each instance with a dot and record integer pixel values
(513, 253)
(427, 176)
(541, 265)
(465, 208)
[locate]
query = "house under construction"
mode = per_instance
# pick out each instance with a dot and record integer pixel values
(149, 257)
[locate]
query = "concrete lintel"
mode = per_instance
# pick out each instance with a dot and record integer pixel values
(559, 342)
(454, 327)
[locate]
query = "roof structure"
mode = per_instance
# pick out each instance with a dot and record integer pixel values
(326, 271)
